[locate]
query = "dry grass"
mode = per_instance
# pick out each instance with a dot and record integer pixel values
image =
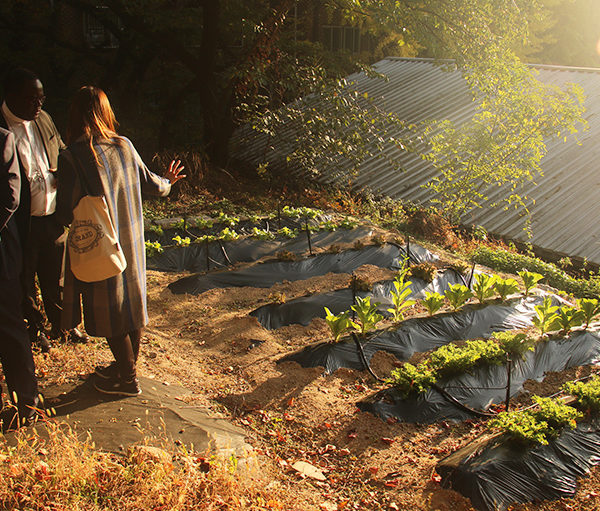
(57, 471)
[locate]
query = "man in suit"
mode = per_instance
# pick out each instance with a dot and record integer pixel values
(15, 347)
(38, 144)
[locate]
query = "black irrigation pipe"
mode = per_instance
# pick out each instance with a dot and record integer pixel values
(364, 358)
(471, 276)
(308, 236)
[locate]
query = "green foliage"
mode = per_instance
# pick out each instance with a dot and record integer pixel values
(224, 218)
(522, 427)
(203, 223)
(367, 315)
(399, 296)
(567, 318)
(511, 262)
(505, 287)
(433, 302)
(207, 238)
(483, 286)
(590, 308)
(457, 295)
(504, 142)
(329, 225)
(181, 242)
(348, 223)
(424, 271)
(254, 219)
(555, 413)
(338, 324)
(153, 248)
(530, 280)
(156, 229)
(545, 315)
(287, 232)
(228, 234)
(412, 379)
(301, 212)
(450, 360)
(587, 393)
(516, 344)
(262, 234)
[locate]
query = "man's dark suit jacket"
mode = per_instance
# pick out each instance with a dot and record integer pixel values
(10, 192)
(53, 144)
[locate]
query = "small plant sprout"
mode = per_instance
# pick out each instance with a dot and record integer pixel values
(433, 302)
(484, 286)
(207, 238)
(287, 232)
(568, 318)
(348, 223)
(367, 315)
(590, 308)
(329, 225)
(506, 287)
(204, 223)
(156, 229)
(153, 248)
(262, 234)
(181, 242)
(338, 324)
(457, 295)
(228, 234)
(229, 221)
(530, 279)
(399, 296)
(545, 315)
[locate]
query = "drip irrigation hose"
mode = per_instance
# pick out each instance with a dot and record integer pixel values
(456, 402)
(460, 275)
(363, 359)
(471, 276)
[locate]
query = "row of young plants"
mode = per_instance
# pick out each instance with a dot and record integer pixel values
(550, 416)
(511, 262)
(228, 233)
(452, 360)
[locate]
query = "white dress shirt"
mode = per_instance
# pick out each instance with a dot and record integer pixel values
(33, 158)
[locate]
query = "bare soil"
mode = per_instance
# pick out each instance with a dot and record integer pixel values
(210, 345)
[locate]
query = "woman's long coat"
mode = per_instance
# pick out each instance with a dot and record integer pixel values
(116, 305)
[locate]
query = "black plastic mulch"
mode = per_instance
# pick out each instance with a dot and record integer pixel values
(422, 334)
(486, 384)
(499, 473)
(303, 310)
(270, 273)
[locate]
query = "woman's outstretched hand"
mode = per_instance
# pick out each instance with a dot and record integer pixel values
(173, 174)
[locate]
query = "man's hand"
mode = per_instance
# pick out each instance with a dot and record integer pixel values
(174, 174)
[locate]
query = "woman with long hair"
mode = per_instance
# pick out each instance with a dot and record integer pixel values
(109, 165)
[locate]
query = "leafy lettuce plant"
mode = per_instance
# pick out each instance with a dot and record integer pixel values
(433, 302)
(338, 324)
(202, 223)
(505, 287)
(224, 218)
(590, 308)
(555, 413)
(153, 248)
(207, 238)
(522, 427)
(530, 280)
(451, 359)
(228, 234)
(483, 287)
(181, 242)
(411, 379)
(457, 295)
(587, 394)
(367, 315)
(262, 234)
(516, 344)
(545, 315)
(287, 232)
(399, 296)
(567, 318)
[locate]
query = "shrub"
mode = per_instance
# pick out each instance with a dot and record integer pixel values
(521, 427)
(586, 393)
(413, 379)
(450, 359)
(555, 413)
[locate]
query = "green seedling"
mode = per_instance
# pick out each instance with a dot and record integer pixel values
(515, 344)
(568, 318)
(410, 379)
(153, 248)
(587, 394)
(329, 225)
(590, 308)
(156, 229)
(287, 232)
(545, 315)
(207, 238)
(433, 302)
(483, 286)
(506, 287)
(367, 315)
(181, 242)
(457, 295)
(530, 280)
(229, 221)
(228, 234)
(202, 223)
(338, 324)
(348, 223)
(399, 296)
(262, 234)
(451, 359)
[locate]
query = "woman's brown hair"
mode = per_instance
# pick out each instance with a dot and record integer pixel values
(91, 116)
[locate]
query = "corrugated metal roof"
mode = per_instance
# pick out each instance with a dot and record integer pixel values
(563, 216)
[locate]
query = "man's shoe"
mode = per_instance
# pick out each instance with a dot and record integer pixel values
(77, 335)
(108, 372)
(118, 387)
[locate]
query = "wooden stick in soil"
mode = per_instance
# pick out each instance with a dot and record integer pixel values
(508, 382)
(308, 236)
